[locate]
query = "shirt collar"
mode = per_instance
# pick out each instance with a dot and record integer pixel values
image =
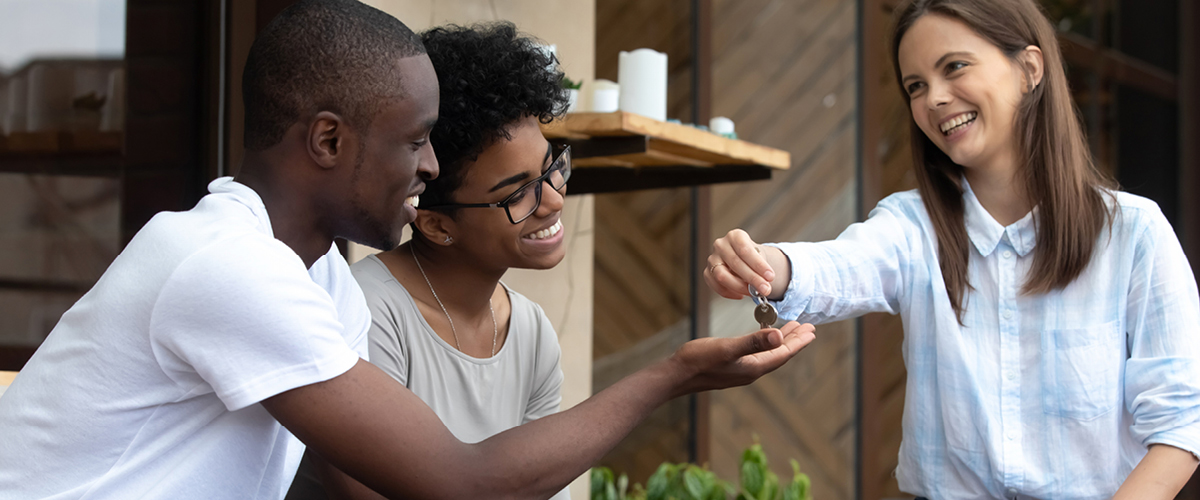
(244, 195)
(986, 233)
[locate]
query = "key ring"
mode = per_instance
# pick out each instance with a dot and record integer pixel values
(754, 295)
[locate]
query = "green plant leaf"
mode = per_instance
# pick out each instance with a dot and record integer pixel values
(752, 477)
(693, 483)
(568, 83)
(656, 486)
(622, 486)
(755, 454)
(600, 477)
(800, 485)
(770, 489)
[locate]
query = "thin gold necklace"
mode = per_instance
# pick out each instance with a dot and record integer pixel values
(495, 329)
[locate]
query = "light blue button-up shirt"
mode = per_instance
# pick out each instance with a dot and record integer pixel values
(1045, 396)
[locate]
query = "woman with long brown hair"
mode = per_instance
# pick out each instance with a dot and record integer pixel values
(1050, 320)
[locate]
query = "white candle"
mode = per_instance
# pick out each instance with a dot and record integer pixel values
(605, 96)
(643, 78)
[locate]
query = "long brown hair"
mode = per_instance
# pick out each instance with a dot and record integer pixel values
(1060, 177)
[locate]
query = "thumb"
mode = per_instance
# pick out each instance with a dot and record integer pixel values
(762, 340)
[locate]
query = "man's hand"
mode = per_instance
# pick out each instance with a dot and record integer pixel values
(717, 363)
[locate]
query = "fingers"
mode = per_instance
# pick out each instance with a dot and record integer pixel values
(718, 278)
(795, 338)
(794, 328)
(735, 262)
(718, 363)
(750, 265)
(757, 342)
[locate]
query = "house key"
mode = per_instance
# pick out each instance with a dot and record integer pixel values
(764, 312)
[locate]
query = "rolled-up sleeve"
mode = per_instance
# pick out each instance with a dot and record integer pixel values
(861, 271)
(1162, 374)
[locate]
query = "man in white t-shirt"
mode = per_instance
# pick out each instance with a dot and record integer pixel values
(221, 332)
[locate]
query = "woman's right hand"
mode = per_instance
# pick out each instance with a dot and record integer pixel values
(737, 261)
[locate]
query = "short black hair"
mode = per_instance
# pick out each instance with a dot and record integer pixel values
(322, 55)
(490, 76)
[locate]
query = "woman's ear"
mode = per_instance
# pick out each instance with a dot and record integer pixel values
(1033, 65)
(437, 227)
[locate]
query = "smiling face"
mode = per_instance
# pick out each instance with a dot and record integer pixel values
(396, 158)
(964, 91)
(501, 169)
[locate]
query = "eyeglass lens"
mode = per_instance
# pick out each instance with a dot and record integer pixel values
(523, 203)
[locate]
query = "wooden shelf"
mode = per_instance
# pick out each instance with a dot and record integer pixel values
(81, 141)
(82, 153)
(84, 165)
(624, 152)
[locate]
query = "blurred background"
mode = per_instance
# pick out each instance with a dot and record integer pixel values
(113, 110)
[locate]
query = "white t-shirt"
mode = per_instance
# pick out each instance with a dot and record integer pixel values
(149, 386)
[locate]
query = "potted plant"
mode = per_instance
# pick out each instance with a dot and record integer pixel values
(572, 87)
(690, 482)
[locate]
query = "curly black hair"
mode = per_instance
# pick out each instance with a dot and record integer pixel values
(491, 77)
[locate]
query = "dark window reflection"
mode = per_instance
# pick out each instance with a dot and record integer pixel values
(62, 108)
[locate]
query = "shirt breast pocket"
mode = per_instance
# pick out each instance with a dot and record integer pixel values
(1082, 369)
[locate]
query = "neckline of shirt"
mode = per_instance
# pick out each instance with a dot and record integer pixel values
(985, 233)
(428, 329)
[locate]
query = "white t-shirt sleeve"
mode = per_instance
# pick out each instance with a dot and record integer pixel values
(387, 337)
(546, 396)
(243, 319)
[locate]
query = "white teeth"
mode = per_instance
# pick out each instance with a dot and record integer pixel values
(950, 126)
(546, 233)
(415, 201)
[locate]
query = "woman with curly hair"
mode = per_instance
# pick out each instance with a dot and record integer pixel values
(482, 356)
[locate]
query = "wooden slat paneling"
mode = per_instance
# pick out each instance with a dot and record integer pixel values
(785, 73)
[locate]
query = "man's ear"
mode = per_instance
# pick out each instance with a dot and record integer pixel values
(437, 227)
(328, 139)
(1033, 66)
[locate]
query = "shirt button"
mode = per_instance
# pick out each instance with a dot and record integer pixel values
(1012, 437)
(1011, 376)
(1008, 314)
(1007, 254)
(1012, 493)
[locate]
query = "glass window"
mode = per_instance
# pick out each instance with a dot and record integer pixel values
(61, 121)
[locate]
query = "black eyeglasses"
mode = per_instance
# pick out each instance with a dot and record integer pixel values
(522, 203)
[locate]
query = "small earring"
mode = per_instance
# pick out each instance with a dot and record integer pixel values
(449, 240)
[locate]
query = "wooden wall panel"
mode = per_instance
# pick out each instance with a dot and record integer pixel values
(784, 71)
(641, 296)
(886, 157)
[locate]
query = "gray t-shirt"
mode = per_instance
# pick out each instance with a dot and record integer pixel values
(475, 398)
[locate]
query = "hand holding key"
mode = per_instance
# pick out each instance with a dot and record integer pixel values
(737, 262)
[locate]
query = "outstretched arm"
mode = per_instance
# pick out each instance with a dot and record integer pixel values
(866, 269)
(383, 435)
